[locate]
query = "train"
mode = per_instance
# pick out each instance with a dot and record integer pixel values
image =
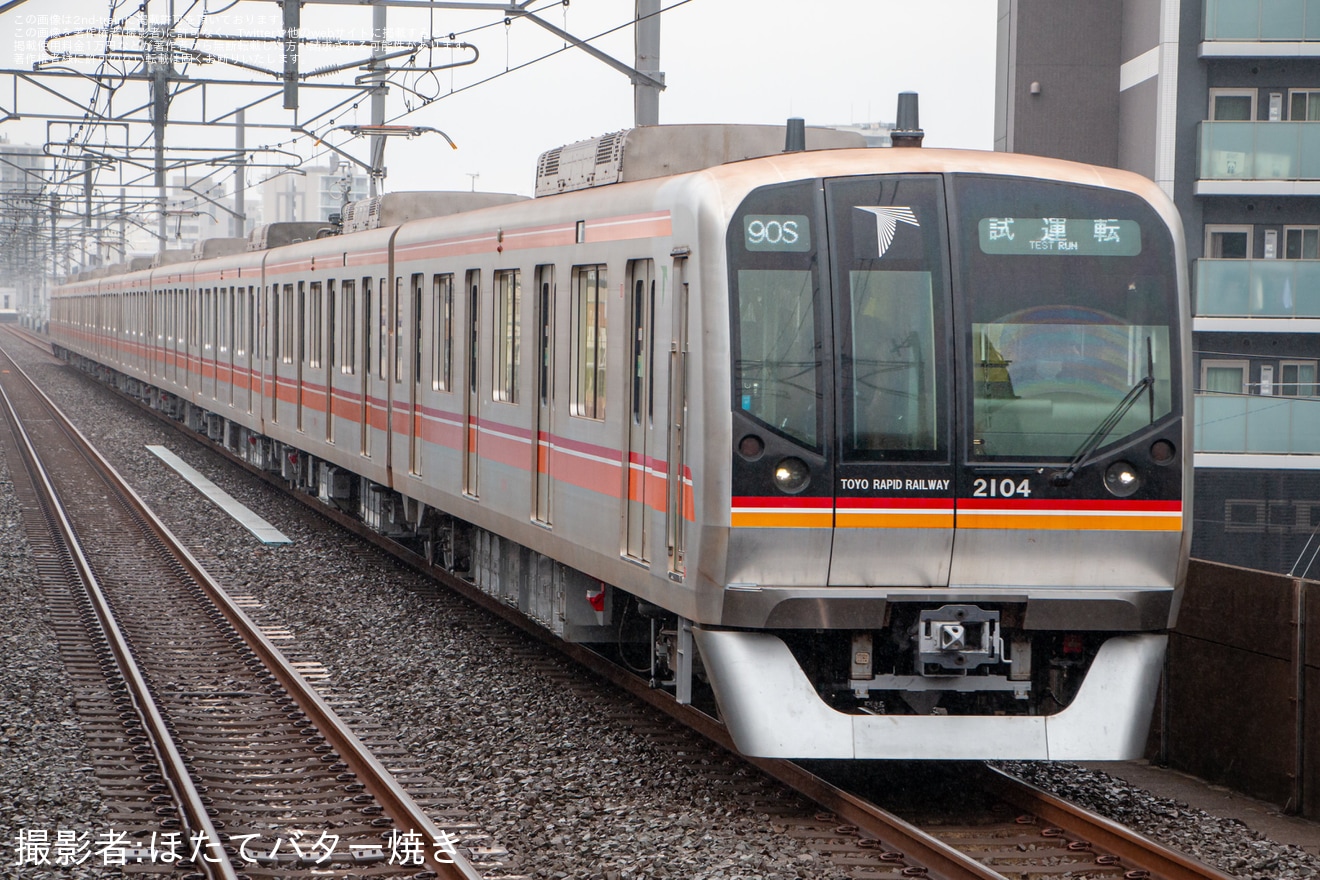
(886, 453)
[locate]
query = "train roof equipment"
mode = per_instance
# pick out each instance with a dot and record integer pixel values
(395, 209)
(653, 151)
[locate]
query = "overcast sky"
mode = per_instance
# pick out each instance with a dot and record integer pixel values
(829, 61)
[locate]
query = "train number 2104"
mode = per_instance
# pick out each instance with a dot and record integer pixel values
(1005, 488)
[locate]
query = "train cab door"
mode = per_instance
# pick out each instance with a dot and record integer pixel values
(678, 499)
(894, 478)
(543, 430)
(637, 488)
(472, 412)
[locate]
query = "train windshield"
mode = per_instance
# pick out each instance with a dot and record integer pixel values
(888, 254)
(1069, 298)
(778, 313)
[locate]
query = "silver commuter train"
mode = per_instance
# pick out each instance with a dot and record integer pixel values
(899, 437)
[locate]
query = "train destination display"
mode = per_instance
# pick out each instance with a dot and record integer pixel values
(1060, 235)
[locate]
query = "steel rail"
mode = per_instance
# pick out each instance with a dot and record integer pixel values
(394, 800)
(942, 860)
(1134, 849)
(175, 772)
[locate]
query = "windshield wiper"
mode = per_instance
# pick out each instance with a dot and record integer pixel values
(1092, 442)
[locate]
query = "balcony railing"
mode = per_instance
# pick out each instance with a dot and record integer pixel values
(1252, 423)
(1257, 288)
(1246, 21)
(1260, 151)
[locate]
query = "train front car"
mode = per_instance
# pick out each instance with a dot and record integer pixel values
(959, 511)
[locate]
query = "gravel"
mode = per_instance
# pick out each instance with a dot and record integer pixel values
(535, 750)
(45, 768)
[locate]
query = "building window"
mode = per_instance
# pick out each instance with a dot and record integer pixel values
(589, 299)
(1224, 377)
(1301, 242)
(1234, 105)
(1303, 105)
(1297, 379)
(1228, 242)
(508, 344)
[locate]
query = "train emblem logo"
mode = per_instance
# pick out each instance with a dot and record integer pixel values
(886, 223)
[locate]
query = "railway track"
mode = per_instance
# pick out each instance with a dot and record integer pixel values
(1003, 828)
(215, 753)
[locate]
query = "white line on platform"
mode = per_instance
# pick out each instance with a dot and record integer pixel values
(264, 531)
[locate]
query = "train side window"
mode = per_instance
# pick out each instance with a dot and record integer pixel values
(508, 301)
(399, 308)
(330, 328)
(286, 321)
(442, 289)
(208, 319)
(383, 329)
(418, 314)
(227, 329)
(545, 276)
(314, 325)
(240, 322)
(276, 328)
(589, 332)
(367, 333)
(348, 356)
(298, 325)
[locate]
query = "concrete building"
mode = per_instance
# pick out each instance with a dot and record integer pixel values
(24, 219)
(313, 195)
(196, 210)
(1218, 101)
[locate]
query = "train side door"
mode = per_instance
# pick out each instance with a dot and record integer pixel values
(894, 486)
(280, 298)
(641, 295)
(250, 329)
(331, 343)
(677, 496)
(231, 339)
(300, 355)
(543, 429)
(472, 419)
(415, 353)
(365, 372)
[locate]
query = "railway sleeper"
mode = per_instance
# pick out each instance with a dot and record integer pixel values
(576, 607)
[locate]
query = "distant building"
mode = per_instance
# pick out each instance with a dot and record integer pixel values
(875, 133)
(23, 169)
(23, 172)
(313, 195)
(196, 211)
(1218, 101)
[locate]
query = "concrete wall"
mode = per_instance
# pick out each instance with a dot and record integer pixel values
(1241, 694)
(1072, 54)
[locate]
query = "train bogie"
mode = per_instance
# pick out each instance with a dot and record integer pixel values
(898, 437)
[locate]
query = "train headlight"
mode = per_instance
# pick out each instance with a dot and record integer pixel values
(1122, 479)
(792, 476)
